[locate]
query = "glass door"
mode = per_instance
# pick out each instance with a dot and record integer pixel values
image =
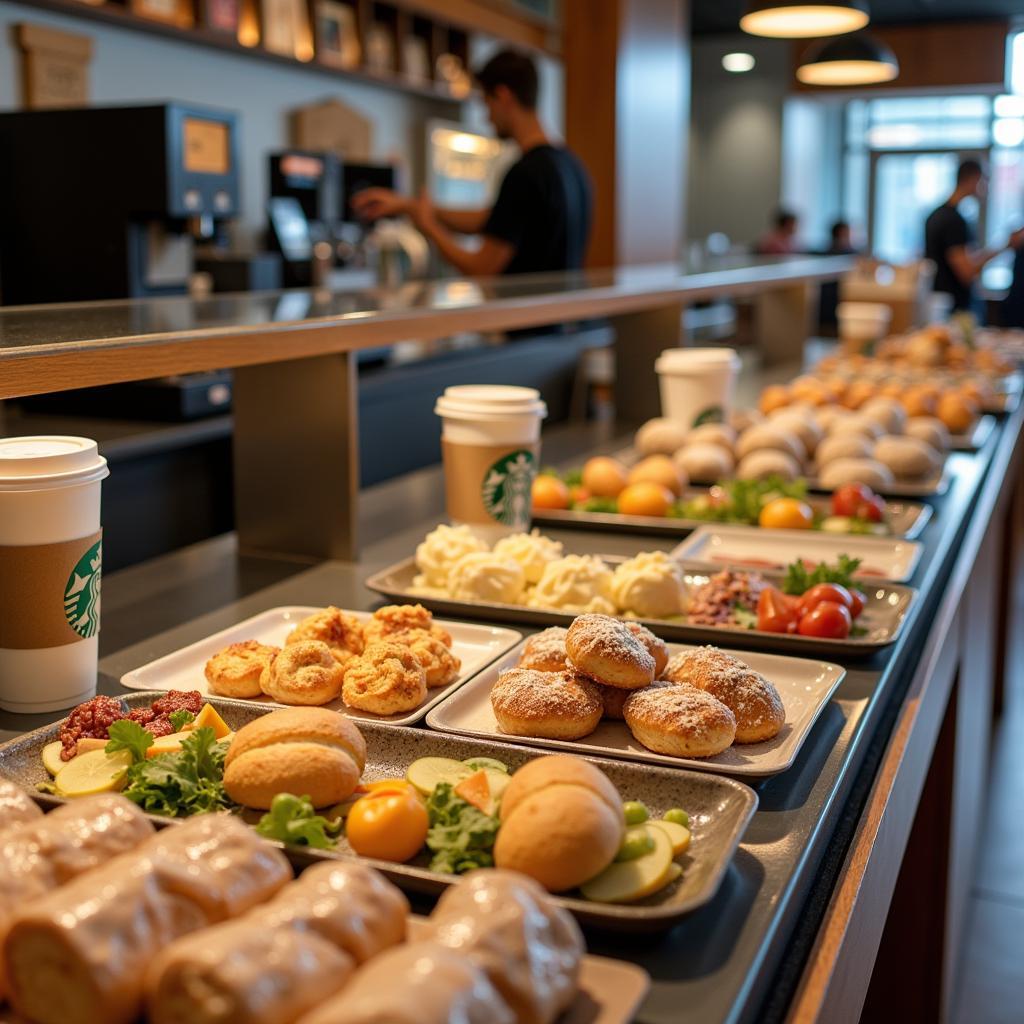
(905, 187)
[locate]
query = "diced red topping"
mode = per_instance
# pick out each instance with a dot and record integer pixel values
(90, 720)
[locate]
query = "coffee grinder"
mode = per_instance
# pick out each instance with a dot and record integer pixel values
(109, 202)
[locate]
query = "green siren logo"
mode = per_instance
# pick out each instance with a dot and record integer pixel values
(713, 414)
(82, 593)
(506, 488)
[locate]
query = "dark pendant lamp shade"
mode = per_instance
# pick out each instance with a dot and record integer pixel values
(856, 59)
(794, 19)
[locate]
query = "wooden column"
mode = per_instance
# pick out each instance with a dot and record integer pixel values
(627, 70)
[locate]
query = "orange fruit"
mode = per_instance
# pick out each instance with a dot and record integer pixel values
(549, 492)
(772, 398)
(786, 514)
(387, 824)
(645, 498)
(658, 469)
(957, 411)
(604, 477)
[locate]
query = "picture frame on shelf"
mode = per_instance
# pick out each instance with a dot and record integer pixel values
(416, 58)
(380, 48)
(170, 12)
(337, 39)
(281, 25)
(221, 15)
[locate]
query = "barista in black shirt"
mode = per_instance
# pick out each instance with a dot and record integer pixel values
(950, 244)
(541, 219)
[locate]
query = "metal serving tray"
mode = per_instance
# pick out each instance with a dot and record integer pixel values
(719, 809)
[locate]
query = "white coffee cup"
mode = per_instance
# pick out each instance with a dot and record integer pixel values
(697, 384)
(50, 566)
(490, 441)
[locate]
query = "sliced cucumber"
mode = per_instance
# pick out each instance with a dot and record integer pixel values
(476, 763)
(426, 772)
(498, 781)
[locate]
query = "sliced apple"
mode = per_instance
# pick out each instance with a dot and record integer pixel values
(426, 772)
(51, 757)
(629, 880)
(675, 872)
(678, 835)
(209, 718)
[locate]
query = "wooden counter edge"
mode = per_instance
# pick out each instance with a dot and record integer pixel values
(836, 978)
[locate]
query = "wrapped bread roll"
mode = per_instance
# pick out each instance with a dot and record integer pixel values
(769, 436)
(528, 947)
(908, 457)
(16, 806)
(659, 436)
(418, 983)
(78, 954)
(768, 462)
(39, 856)
(704, 462)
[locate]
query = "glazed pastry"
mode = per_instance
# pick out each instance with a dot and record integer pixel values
(555, 705)
(79, 954)
(16, 806)
(485, 576)
(531, 550)
(507, 926)
(753, 700)
(403, 618)
(607, 650)
(704, 462)
(768, 462)
(440, 666)
(656, 647)
(681, 721)
(306, 751)
(561, 822)
(649, 586)
(856, 471)
(574, 584)
(342, 633)
(929, 429)
(38, 856)
(545, 651)
(907, 457)
(613, 699)
(417, 983)
(659, 436)
(843, 446)
(305, 672)
(387, 679)
(236, 671)
(440, 550)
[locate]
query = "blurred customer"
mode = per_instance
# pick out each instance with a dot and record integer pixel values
(781, 239)
(949, 241)
(841, 239)
(840, 244)
(1012, 312)
(541, 219)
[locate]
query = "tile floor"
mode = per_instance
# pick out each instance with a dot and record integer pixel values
(991, 981)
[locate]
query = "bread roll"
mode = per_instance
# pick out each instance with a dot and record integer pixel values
(829, 415)
(802, 423)
(909, 458)
(528, 947)
(555, 705)
(721, 434)
(705, 463)
(561, 824)
(79, 954)
(606, 649)
(856, 471)
(418, 983)
(929, 429)
(886, 411)
(659, 437)
(843, 446)
(858, 424)
(769, 435)
(760, 464)
(681, 721)
(306, 751)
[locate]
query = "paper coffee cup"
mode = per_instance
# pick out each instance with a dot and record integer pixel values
(490, 441)
(697, 384)
(51, 556)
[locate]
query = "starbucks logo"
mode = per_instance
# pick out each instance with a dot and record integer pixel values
(82, 593)
(506, 488)
(713, 414)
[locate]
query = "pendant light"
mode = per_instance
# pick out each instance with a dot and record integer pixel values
(856, 59)
(793, 19)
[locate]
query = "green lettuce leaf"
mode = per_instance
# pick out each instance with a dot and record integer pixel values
(461, 837)
(293, 819)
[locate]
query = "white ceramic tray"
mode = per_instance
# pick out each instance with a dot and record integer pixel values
(976, 438)
(475, 645)
(805, 686)
(751, 548)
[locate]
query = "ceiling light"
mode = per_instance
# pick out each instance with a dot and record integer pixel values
(791, 19)
(849, 60)
(737, 63)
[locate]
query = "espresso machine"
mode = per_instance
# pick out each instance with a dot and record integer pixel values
(110, 202)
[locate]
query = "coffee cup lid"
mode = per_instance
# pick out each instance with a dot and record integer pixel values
(690, 359)
(34, 463)
(486, 401)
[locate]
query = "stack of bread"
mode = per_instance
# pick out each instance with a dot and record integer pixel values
(384, 666)
(693, 705)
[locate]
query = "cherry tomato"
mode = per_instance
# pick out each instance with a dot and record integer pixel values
(847, 498)
(824, 592)
(828, 619)
(859, 600)
(776, 612)
(873, 510)
(388, 824)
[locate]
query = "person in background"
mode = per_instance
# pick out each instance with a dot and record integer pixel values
(840, 243)
(1012, 311)
(541, 218)
(841, 239)
(949, 240)
(781, 240)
